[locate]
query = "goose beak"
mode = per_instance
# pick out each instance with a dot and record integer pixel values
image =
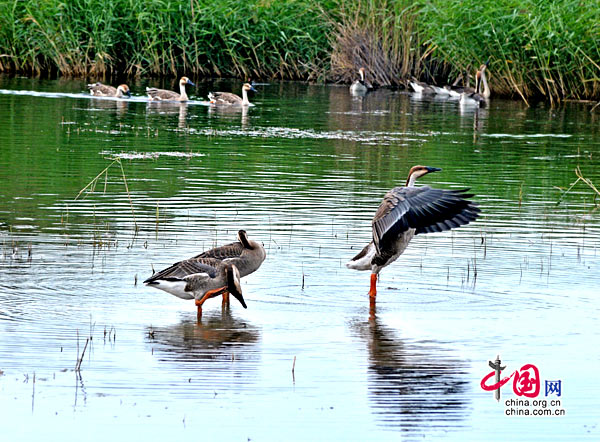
(128, 93)
(190, 83)
(238, 295)
(433, 169)
(233, 285)
(252, 88)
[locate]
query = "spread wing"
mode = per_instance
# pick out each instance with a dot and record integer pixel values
(424, 209)
(183, 269)
(229, 251)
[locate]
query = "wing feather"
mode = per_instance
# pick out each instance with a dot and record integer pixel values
(228, 251)
(424, 209)
(183, 269)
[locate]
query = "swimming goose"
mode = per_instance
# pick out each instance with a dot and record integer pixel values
(102, 90)
(421, 88)
(165, 95)
(468, 98)
(361, 86)
(486, 89)
(406, 212)
(228, 98)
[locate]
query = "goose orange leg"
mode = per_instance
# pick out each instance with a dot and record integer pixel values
(225, 302)
(373, 290)
(208, 295)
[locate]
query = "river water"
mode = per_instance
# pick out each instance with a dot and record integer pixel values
(302, 171)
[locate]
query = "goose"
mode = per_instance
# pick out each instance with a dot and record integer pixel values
(408, 211)
(165, 95)
(102, 90)
(486, 89)
(421, 88)
(228, 98)
(199, 279)
(211, 273)
(468, 98)
(245, 254)
(361, 86)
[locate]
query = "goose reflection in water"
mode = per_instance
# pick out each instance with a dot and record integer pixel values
(413, 384)
(230, 112)
(120, 106)
(219, 337)
(169, 108)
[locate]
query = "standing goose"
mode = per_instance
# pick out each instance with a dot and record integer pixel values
(199, 279)
(406, 212)
(102, 90)
(361, 86)
(205, 272)
(165, 95)
(228, 98)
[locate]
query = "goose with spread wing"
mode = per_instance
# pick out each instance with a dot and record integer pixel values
(409, 211)
(212, 273)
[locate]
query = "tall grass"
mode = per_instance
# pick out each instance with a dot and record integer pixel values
(258, 38)
(537, 48)
(380, 35)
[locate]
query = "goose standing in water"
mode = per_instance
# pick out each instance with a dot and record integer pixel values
(406, 212)
(165, 95)
(102, 90)
(212, 273)
(228, 98)
(361, 86)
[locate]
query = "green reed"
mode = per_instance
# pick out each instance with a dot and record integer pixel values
(380, 35)
(540, 49)
(536, 48)
(284, 39)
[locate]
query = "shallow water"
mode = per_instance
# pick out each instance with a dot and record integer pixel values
(302, 171)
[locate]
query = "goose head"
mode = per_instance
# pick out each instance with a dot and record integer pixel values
(124, 90)
(233, 284)
(361, 72)
(243, 238)
(185, 81)
(248, 87)
(417, 172)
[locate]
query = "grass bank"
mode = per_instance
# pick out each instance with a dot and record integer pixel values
(258, 38)
(547, 50)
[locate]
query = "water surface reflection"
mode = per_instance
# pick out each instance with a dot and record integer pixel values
(220, 336)
(412, 382)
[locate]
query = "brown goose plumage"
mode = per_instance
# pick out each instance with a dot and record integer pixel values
(165, 95)
(409, 211)
(245, 254)
(229, 98)
(213, 272)
(103, 90)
